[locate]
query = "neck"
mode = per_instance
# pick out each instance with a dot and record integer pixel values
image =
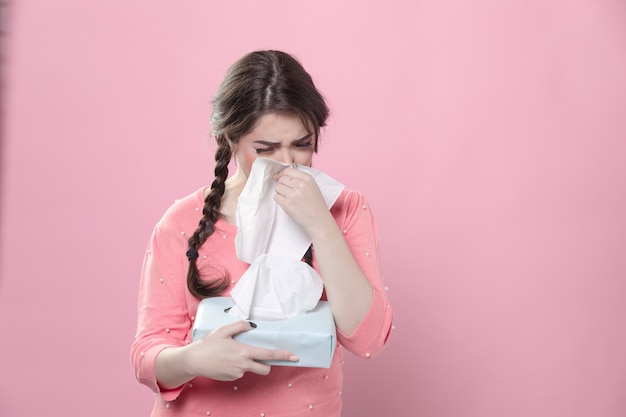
(233, 187)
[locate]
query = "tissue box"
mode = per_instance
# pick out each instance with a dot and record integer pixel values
(310, 336)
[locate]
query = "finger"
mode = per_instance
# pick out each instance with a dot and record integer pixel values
(280, 173)
(291, 172)
(262, 354)
(283, 189)
(280, 199)
(234, 328)
(282, 180)
(259, 368)
(295, 173)
(285, 181)
(302, 176)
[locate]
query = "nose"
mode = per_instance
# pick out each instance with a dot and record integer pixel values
(285, 155)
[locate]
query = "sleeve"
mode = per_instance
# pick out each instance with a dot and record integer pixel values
(354, 217)
(163, 318)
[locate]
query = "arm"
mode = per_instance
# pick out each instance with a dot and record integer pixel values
(162, 356)
(346, 249)
(354, 217)
(347, 288)
(163, 319)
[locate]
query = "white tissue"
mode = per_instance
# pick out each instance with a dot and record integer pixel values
(274, 288)
(277, 285)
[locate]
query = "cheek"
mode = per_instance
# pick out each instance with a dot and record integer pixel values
(245, 158)
(304, 158)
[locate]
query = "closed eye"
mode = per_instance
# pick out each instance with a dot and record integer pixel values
(304, 145)
(303, 142)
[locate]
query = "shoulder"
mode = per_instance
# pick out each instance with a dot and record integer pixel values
(350, 205)
(349, 200)
(184, 213)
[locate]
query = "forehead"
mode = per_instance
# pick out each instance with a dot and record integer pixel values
(275, 127)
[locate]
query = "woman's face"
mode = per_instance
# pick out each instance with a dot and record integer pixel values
(281, 137)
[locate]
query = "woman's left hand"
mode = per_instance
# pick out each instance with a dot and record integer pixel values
(300, 196)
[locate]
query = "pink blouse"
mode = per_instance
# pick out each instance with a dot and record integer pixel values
(166, 312)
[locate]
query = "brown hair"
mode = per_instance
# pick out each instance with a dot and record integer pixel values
(259, 83)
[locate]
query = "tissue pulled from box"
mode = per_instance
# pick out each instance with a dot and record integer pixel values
(274, 288)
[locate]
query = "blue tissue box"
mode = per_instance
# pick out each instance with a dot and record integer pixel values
(310, 336)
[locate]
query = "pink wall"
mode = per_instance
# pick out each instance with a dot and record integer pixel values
(489, 137)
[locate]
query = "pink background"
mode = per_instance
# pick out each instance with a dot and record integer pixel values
(488, 136)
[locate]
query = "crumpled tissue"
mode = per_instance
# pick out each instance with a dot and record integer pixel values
(276, 287)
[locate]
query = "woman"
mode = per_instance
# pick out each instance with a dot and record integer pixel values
(266, 106)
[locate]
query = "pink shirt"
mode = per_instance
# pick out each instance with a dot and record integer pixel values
(167, 310)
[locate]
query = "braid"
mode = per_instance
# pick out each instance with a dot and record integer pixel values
(206, 227)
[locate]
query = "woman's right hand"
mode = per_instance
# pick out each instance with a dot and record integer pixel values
(217, 356)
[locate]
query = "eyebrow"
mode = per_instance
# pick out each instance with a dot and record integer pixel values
(268, 143)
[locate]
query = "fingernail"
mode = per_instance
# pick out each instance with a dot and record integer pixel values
(252, 324)
(294, 358)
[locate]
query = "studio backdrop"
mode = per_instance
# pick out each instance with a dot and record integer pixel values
(489, 138)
